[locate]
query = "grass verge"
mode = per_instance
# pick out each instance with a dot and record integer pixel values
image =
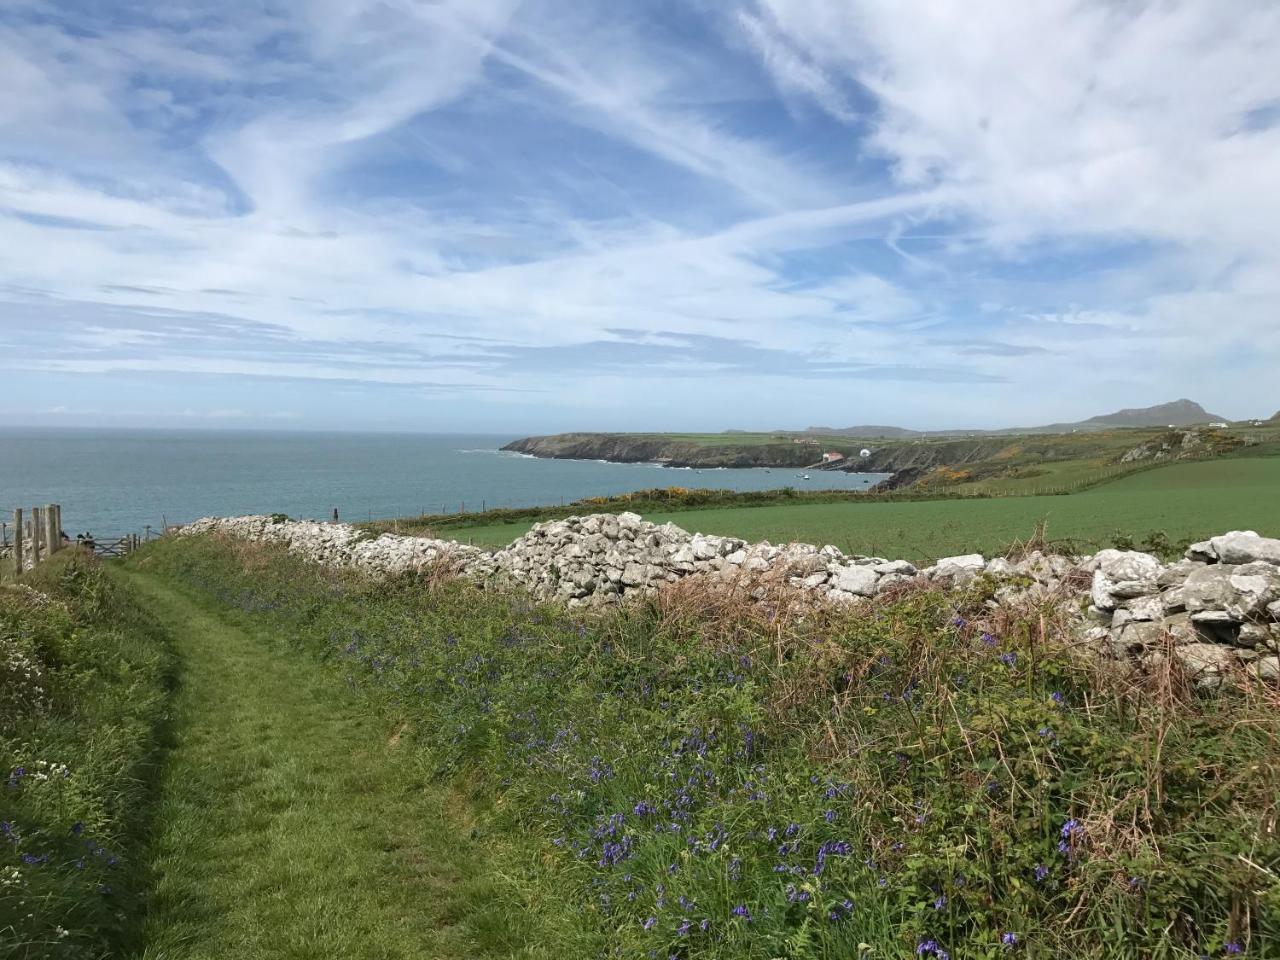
(699, 777)
(84, 675)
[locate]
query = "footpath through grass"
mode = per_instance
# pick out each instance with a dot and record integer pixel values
(1183, 501)
(704, 778)
(293, 825)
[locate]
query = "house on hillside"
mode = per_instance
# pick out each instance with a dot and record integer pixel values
(832, 456)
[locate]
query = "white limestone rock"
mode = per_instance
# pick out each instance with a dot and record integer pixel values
(896, 568)
(1121, 575)
(1245, 546)
(1206, 663)
(858, 581)
(1001, 567)
(959, 570)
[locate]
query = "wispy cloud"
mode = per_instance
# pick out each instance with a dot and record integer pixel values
(693, 216)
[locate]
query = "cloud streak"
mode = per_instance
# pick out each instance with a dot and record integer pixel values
(755, 212)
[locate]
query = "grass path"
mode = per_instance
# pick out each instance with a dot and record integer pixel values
(291, 824)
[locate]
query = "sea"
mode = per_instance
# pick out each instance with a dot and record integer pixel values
(113, 482)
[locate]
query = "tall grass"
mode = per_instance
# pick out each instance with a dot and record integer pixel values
(83, 673)
(716, 778)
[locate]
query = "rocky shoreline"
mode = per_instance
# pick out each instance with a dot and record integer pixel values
(884, 456)
(1216, 612)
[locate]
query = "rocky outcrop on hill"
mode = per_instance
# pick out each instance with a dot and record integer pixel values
(1215, 612)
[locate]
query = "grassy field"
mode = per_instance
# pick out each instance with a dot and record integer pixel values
(1185, 500)
(697, 780)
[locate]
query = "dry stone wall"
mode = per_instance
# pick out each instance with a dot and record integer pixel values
(1216, 611)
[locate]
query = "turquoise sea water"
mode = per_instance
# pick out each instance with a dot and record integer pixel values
(117, 481)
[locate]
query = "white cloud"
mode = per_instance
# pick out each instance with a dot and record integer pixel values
(791, 70)
(352, 187)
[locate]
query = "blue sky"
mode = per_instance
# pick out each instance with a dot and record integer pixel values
(520, 217)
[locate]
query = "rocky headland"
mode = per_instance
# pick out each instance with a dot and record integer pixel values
(888, 457)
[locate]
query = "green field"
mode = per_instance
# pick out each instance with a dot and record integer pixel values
(1182, 500)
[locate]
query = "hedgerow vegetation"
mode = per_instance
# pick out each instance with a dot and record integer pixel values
(715, 778)
(83, 681)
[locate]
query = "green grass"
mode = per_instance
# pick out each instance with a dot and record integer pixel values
(699, 778)
(296, 823)
(84, 679)
(1184, 500)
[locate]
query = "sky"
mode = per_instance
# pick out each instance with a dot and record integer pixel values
(519, 217)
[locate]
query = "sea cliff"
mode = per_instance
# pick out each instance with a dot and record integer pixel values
(883, 457)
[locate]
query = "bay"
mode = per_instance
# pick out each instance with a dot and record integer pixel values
(112, 482)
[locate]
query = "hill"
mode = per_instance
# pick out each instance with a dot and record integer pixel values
(1177, 413)
(871, 432)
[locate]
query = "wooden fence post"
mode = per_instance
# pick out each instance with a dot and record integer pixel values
(17, 540)
(57, 523)
(51, 537)
(37, 535)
